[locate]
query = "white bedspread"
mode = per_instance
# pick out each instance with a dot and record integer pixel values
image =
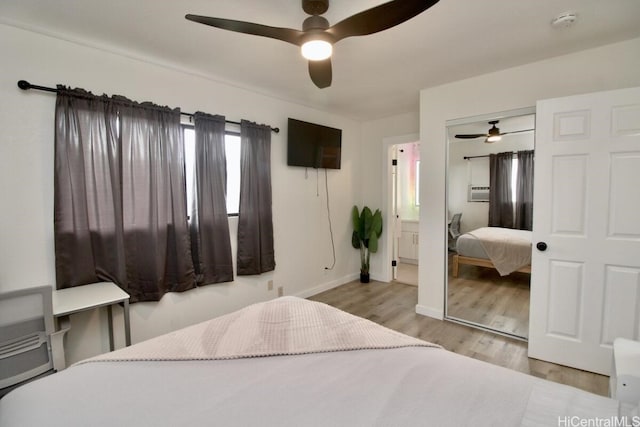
(406, 383)
(284, 326)
(508, 249)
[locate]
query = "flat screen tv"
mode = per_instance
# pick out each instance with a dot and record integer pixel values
(313, 146)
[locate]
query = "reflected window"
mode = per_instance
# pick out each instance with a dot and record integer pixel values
(417, 183)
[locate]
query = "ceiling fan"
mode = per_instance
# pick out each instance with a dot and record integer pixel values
(493, 135)
(317, 37)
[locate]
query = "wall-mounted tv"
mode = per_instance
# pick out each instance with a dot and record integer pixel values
(313, 146)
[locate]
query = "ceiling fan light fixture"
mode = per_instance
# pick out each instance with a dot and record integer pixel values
(317, 38)
(316, 50)
(493, 138)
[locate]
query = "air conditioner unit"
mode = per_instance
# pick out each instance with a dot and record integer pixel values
(478, 194)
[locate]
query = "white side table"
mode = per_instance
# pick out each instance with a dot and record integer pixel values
(624, 383)
(80, 298)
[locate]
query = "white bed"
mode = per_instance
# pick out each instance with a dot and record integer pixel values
(293, 362)
(504, 249)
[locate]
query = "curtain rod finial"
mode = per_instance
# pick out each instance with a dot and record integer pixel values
(24, 85)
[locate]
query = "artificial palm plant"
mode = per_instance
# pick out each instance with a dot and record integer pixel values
(367, 228)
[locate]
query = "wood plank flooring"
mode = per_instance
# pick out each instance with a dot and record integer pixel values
(482, 296)
(393, 305)
(407, 273)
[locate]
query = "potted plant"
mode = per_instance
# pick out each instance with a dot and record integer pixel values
(367, 228)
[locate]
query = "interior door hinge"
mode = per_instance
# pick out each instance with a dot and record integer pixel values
(394, 162)
(394, 263)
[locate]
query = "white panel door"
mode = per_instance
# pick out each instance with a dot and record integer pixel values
(585, 285)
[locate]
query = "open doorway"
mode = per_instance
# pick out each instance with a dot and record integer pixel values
(406, 210)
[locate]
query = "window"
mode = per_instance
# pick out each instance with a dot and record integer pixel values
(232, 150)
(514, 181)
(417, 182)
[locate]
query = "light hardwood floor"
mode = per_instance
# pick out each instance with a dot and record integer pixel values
(407, 273)
(482, 296)
(393, 305)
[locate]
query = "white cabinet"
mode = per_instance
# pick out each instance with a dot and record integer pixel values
(408, 249)
(624, 384)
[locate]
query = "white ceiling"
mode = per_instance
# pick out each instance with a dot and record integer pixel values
(373, 76)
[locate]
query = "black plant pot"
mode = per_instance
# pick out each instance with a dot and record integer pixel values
(364, 277)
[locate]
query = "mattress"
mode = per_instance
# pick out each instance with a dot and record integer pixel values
(508, 249)
(469, 246)
(405, 385)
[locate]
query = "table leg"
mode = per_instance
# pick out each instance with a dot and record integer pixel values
(62, 326)
(110, 322)
(127, 325)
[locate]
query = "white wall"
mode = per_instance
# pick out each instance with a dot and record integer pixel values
(608, 67)
(302, 243)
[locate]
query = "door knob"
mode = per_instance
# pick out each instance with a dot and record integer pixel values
(542, 246)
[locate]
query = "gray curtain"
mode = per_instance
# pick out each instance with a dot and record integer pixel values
(524, 191)
(120, 199)
(210, 241)
(88, 232)
(255, 224)
(500, 197)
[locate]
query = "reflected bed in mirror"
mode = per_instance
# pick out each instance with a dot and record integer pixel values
(490, 184)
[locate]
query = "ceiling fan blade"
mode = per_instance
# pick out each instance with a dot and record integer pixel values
(379, 18)
(320, 72)
(285, 34)
(517, 131)
(471, 136)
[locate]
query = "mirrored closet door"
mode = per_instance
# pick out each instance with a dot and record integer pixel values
(489, 200)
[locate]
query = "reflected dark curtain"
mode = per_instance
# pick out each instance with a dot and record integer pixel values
(210, 241)
(255, 224)
(524, 191)
(119, 199)
(500, 196)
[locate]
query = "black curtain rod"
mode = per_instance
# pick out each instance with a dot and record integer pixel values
(475, 157)
(25, 85)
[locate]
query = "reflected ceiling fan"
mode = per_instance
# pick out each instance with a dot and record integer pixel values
(317, 38)
(493, 135)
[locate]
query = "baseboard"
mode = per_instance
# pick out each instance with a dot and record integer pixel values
(327, 286)
(429, 312)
